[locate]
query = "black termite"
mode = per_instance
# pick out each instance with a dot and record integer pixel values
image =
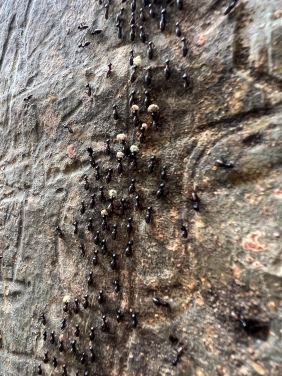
(85, 302)
(196, 201)
(84, 44)
(142, 137)
(86, 183)
(91, 159)
(184, 49)
(100, 297)
(134, 320)
(148, 217)
(163, 20)
(107, 147)
(105, 324)
(220, 163)
(184, 231)
(82, 27)
(147, 101)
(96, 32)
(150, 52)
(133, 163)
(39, 369)
(89, 225)
(163, 173)
(179, 4)
(103, 247)
(132, 99)
(177, 30)
(44, 335)
(136, 120)
(186, 82)
(97, 176)
(68, 128)
(92, 356)
(116, 283)
(142, 15)
(119, 315)
(131, 188)
(64, 370)
(131, 58)
(179, 354)
(137, 203)
(76, 306)
(52, 338)
(109, 71)
(76, 331)
(82, 250)
(148, 77)
(102, 196)
(82, 208)
(132, 19)
(113, 262)
(129, 227)
(90, 279)
(59, 232)
(128, 249)
(110, 208)
(133, 74)
(45, 358)
(28, 98)
(118, 17)
(230, 7)
(92, 202)
(75, 229)
(145, 3)
(167, 70)
(133, 5)
(73, 347)
(114, 232)
(151, 165)
(88, 87)
(151, 11)
(119, 167)
(61, 346)
(132, 32)
(115, 113)
(100, 2)
(106, 11)
(160, 191)
(109, 176)
(104, 222)
(66, 307)
(96, 238)
(91, 334)
(142, 34)
(160, 302)
(55, 363)
(95, 258)
(119, 26)
(122, 206)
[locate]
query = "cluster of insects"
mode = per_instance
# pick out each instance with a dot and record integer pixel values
(103, 233)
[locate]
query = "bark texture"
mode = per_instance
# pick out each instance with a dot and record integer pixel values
(222, 282)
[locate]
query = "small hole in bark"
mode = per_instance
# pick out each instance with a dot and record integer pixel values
(257, 329)
(173, 339)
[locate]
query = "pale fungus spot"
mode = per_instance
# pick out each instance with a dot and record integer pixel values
(153, 108)
(121, 137)
(134, 149)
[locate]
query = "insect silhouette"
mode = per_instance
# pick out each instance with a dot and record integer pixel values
(230, 7)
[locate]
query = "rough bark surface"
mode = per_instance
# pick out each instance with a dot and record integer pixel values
(223, 282)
